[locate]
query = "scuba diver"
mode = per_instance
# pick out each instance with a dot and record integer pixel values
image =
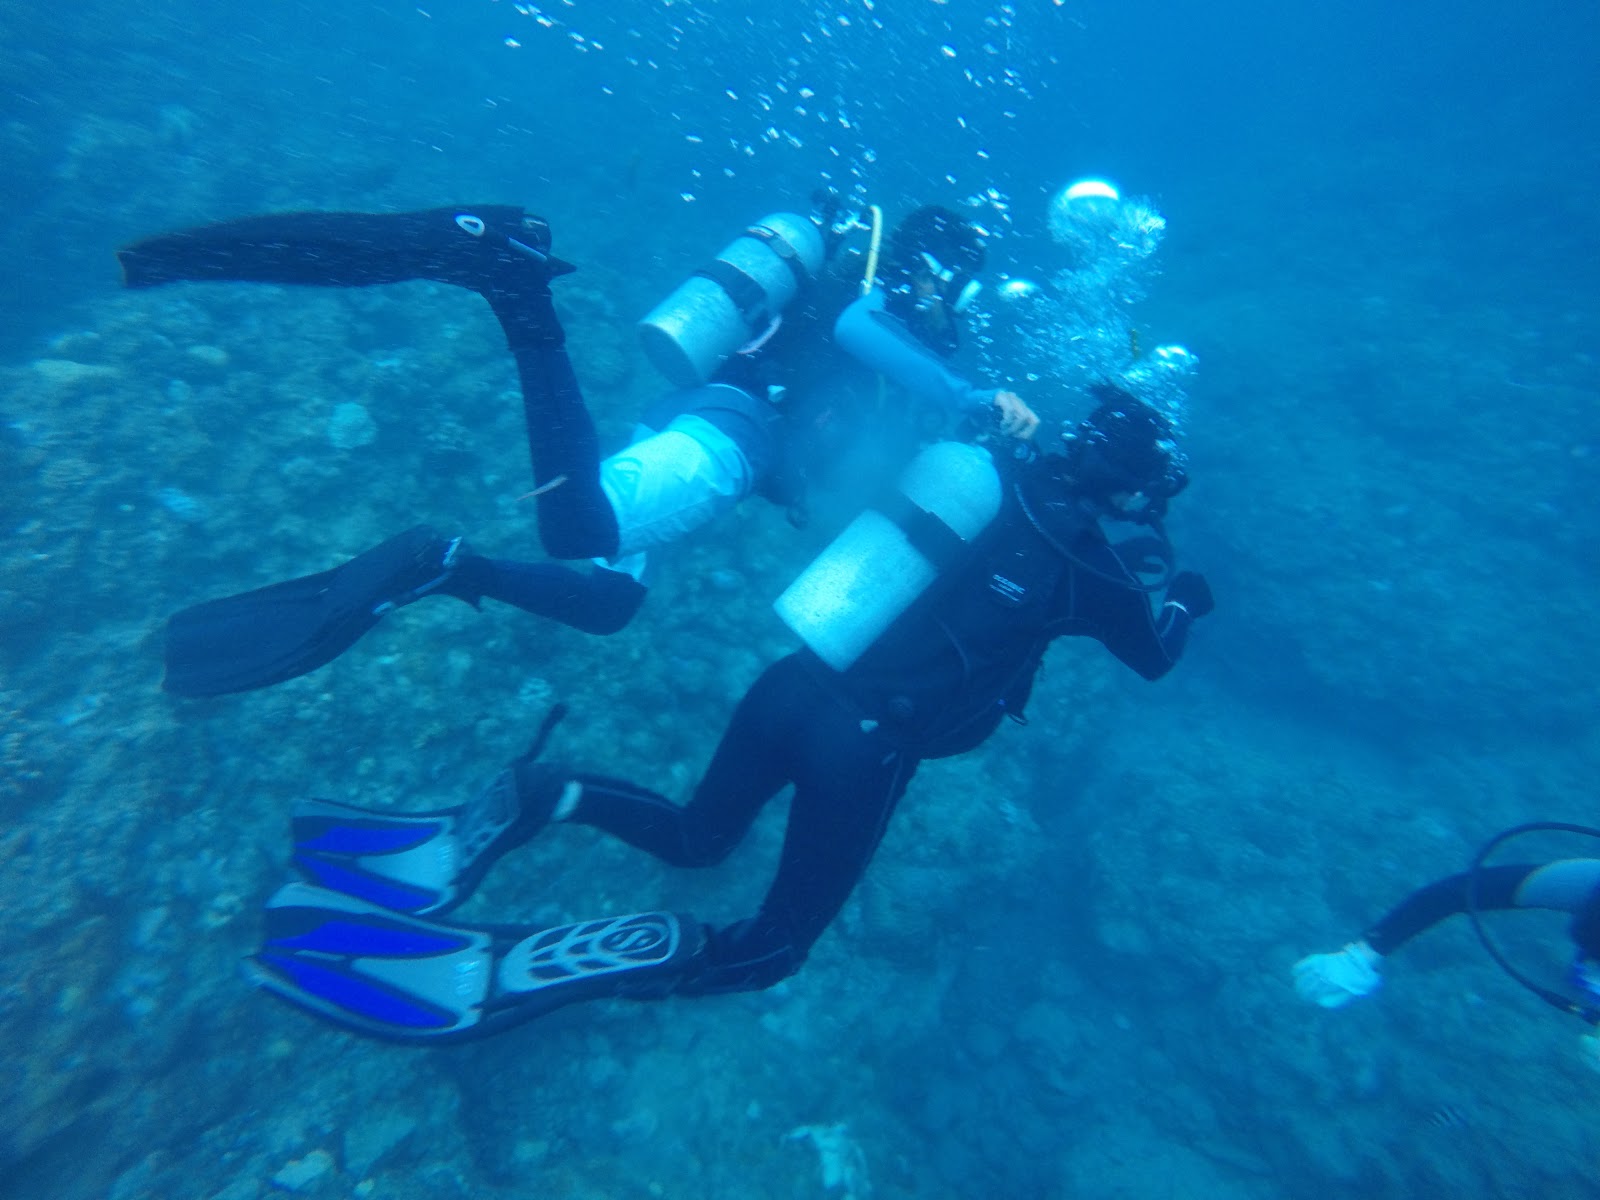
(760, 404)
(1029, 548)
(1334, 979)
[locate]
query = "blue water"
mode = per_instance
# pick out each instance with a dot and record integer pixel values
(1067, 972)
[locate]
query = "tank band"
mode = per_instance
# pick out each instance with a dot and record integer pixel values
(942, 546)
(748, 296)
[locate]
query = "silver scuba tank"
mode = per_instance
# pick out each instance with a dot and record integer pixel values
(880, 563)
(732, 300)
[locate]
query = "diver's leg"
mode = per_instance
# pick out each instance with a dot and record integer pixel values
(576, 518)
(749, 768)
(597, 601)
(847, 784)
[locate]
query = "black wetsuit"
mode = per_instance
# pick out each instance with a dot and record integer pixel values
(1569, 886)
(940, 680)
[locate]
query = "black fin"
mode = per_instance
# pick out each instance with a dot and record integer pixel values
(287, 629)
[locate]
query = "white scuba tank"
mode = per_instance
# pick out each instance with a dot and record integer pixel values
(733, 300)
(875, 568)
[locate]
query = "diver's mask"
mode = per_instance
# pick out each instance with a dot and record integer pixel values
(958, 289)
(1130, 479)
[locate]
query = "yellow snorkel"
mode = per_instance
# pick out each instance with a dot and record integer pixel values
(871, 276)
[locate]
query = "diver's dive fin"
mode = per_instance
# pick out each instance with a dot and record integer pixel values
(403, 862)
(467, 246)
(397, 977)
(422, 863)
(284, 630)
(370, 969)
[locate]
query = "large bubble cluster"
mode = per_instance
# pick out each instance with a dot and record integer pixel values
(1111, 242)
(1078, 331)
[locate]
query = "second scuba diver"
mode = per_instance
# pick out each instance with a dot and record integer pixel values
(748, 338)
(1016, 551)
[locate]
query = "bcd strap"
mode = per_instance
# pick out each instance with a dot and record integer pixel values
(928, 534)
(781, 246)
(748, 296)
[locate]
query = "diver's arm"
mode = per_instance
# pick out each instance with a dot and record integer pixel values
(871, 336)
(1498, 888)
(1334, 979)
(1151, 642)
(1153, 646)
(1562, 886)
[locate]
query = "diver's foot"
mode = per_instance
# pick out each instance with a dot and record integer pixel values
(499, 251)
(503, 254)
(517, 240)
(406, 568)
(516, 805)
(641, 956)
(489, 248)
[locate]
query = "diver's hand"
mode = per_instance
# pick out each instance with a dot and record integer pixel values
(1014, 417)
(1589, 1050)
(1333, 980)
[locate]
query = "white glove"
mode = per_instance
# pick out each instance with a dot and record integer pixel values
(1333, 980)
(1589, 1050)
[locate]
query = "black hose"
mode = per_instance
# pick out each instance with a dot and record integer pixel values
(551, 720)
(1587, 1011)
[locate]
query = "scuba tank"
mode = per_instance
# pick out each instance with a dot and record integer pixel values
(733, 300)
(884, 559)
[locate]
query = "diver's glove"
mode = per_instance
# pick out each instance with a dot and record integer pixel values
(1013, 417)
(1190, 590)
(1589, 1050)
(1333, 980)
(1586, 980)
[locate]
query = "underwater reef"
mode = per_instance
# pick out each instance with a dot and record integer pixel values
(1066, 973)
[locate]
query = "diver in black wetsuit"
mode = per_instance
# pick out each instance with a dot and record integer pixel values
(1076, 549)
(697, 453)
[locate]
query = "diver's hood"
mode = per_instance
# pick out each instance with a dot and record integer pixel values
(1093, 536)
